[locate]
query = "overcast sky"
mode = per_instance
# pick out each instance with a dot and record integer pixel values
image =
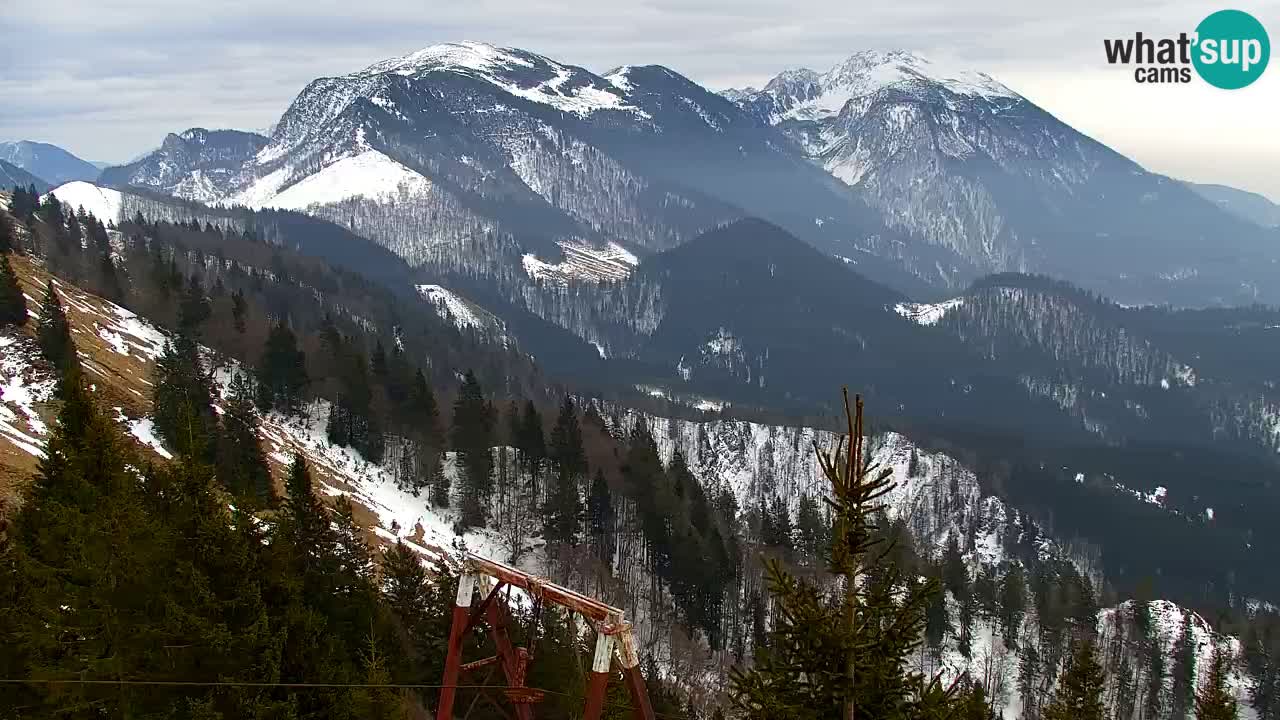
(107, 79)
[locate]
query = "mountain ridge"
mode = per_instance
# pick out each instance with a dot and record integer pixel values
(50, 162)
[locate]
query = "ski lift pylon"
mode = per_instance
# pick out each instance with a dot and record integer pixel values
(613, 633)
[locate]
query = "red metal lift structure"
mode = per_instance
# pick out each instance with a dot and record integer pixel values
(612, 633)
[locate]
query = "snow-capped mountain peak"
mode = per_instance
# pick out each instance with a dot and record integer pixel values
(804, 94)
(868, 72)
(518, 72)
(466, 55)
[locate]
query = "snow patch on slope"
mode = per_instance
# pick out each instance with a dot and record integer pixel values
(452, 306)
(369, 174)
(104, 203)
(583, 262)
(927, 313)
(22, 386)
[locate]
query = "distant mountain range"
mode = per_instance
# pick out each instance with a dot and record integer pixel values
(49, 162)
(926, 176)
(1251, 206)
(11, 175)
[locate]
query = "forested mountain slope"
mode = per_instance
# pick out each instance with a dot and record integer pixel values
(655, 521)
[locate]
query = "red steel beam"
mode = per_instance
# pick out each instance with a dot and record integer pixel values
(588, 607)
(598, 681)
(496, 614)
(453, 658)
(630, 663)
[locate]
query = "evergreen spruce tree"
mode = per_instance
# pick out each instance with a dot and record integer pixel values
(563, 512)
(601, 518)
(779, 531)
(242, 466)
(239, 311)
(13, 304)
(283, 372)
(109, 278)
(845, 653)
(87, 554)
(1079, 694)
(1013, 603)
(306, 523)
(439, 485)
(936, 624)
(214, 601)
(8, 233)
(1182, 694)
(472, 439)
(193, 309)
(421, 604)
(1216, 701)
(564, 509)
(813, 534)
(54, 332)
(955, 575)
(973, 705)
(182, 398)
(532, 444)
(378, 362)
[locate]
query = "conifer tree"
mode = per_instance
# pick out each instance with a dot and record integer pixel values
(532, 444)
(936, 624)
(564, 509)
(1216, 701)
(844, 653)
(778, 530)
(242, 466)
(54, 333)
(109, 277)
(1183, 690)
(420, 603)
(440, 485)
(1012, 604)
(955, 575)
(13, 304)
(239, 311)
(8, 235)
(601, 518)
(813, 534)
(283, 372)
(423, 413)
(1079, 693)
(85, 547)
(194, 308)
(182, 400)
(378, 362)
(472, 439)
(566, 443)
(306, 524)
(973, 704)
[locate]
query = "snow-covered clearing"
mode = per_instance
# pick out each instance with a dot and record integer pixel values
(104, 203)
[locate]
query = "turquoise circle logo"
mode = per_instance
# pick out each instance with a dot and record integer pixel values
(1232, 49)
